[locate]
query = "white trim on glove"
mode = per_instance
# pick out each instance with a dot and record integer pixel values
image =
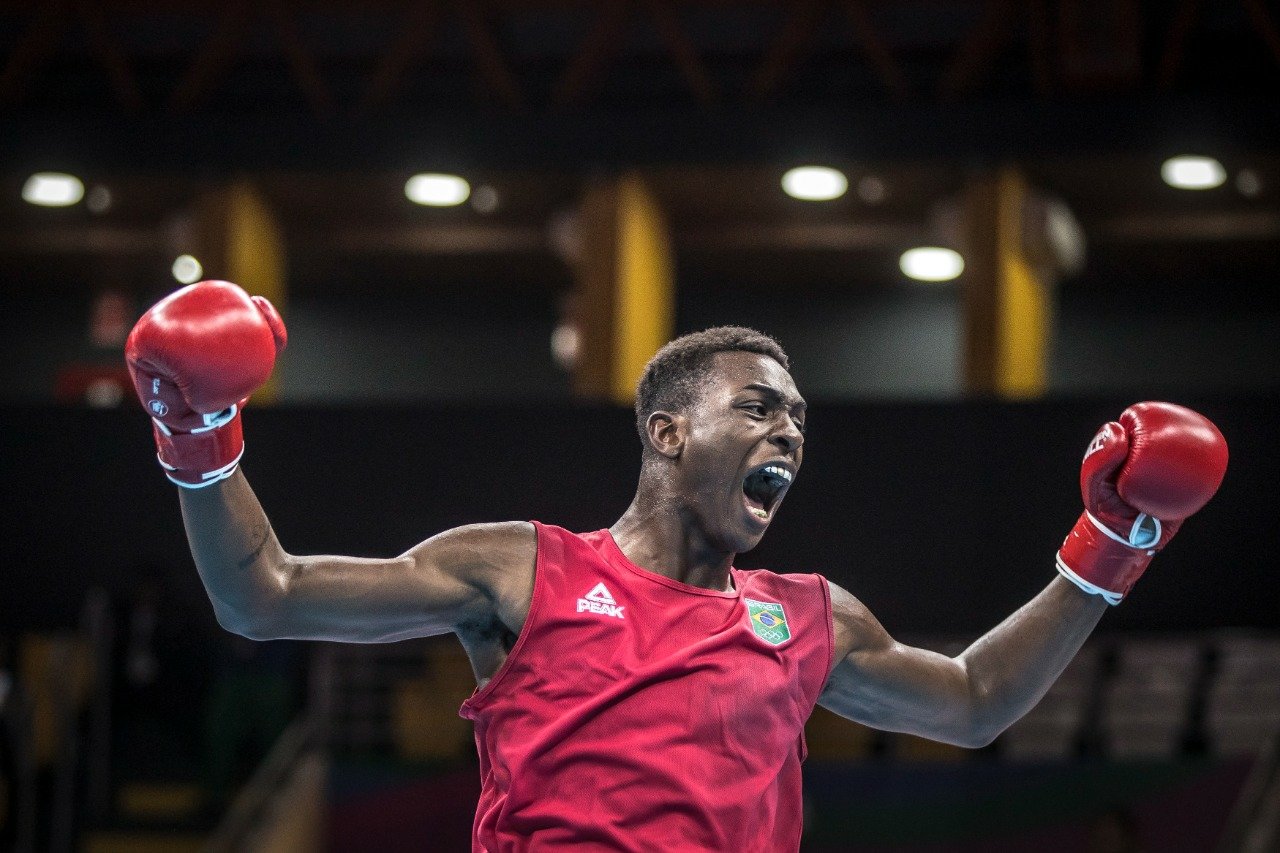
(1112, 598)
(1139, 537)
(208, 478)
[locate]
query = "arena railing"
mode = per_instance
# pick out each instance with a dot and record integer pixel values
(282, 805)
(1254, 824)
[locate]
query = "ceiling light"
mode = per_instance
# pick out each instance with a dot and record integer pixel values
(484, 199)
(931, 263)
(814, 183)
(187, 269)
(1248, 183)
(1193, 173)
(566, 343)
(98, 199)
(52, 189)
(437, 190)
(872, 190)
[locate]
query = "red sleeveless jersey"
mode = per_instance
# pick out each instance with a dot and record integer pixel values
(638, 713)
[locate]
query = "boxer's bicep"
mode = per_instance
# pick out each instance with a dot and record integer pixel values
(457, 576)
(882, 683)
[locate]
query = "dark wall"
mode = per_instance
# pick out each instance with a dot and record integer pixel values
(390, 350)
(848, 341)
(943, 517)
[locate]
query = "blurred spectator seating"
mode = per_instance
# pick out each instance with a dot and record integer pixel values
(102, 386)
(1128, 697)
(402, 697)
(905, 747)
(830, 737)
(425, 723)
(17, 762)
(1242, 709)
(57, 670)
(1147, 704)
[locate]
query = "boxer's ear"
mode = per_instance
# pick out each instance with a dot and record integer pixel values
(667, 432)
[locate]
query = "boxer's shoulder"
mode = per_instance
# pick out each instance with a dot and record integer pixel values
(854, 627)
(488, 555)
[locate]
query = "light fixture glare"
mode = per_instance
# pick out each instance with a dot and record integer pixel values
(815, 183)
(187, 269)
(931, 263)
(436, 190)
(52, 189)
(1193, 173)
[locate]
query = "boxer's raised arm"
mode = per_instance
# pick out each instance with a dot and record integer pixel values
(966, 700)
(1142, 476)
(195, 357)
(260, 591)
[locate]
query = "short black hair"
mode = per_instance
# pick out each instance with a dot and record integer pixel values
(674, 377)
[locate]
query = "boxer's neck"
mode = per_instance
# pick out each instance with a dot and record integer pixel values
(665, 539)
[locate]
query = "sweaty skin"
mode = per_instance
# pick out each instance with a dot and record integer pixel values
(688, 521)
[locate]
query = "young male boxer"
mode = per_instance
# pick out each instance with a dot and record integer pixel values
(635, 690)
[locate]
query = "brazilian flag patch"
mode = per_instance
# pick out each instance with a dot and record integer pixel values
(768, 621)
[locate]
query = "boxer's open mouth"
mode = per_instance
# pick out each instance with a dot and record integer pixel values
(763, 487)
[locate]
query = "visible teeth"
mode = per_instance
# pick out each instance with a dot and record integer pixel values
(781, 472)
(758, 512)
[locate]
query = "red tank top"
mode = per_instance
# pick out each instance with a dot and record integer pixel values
(638, 713)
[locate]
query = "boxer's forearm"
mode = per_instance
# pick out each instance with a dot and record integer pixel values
(1012, 666)
(236, 551)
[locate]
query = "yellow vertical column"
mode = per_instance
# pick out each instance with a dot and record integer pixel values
(1008, 299)
(625, 287)
(239, 240)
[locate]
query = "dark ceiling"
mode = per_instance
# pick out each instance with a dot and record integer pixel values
(331, 105)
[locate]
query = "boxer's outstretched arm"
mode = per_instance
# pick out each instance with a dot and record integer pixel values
(966, 700)
(262, 592)
(1142, 476)
(195, 357)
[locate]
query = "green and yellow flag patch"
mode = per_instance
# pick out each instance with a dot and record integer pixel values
(768, 621)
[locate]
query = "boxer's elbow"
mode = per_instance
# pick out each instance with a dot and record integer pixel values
(980, 737)
(250, 623)
(987, 714)
(232, 619)
(967, 734)
(253, 614)
(246, 594)
(974, 733)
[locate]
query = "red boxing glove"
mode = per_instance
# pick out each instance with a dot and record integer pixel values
(195, 357)
(1142, 477)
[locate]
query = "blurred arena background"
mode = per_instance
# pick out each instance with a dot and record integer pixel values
(596, 177)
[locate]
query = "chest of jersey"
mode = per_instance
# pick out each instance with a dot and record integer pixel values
(628, 693)
(610, 650)
(692, 661)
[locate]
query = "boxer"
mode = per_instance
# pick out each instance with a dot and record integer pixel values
(635, 690)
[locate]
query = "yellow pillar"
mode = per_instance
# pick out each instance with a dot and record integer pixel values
(1008, 299)
(625, 288)
(239, 240)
